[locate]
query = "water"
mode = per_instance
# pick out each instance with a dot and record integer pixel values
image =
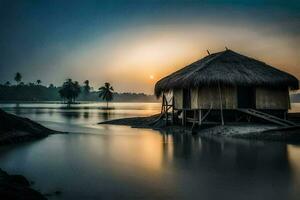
(118, 162)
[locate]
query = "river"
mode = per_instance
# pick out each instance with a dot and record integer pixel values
(118, 162)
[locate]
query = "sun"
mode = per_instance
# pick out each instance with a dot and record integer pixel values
(151, 77)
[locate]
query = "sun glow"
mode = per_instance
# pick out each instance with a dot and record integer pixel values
(134, 60)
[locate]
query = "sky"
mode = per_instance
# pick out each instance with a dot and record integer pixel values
(134, 43)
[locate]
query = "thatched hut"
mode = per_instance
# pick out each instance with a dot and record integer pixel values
(226, 83)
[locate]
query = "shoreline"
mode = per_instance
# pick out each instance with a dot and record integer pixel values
(15, 129)
(17, 187)
(253, 131)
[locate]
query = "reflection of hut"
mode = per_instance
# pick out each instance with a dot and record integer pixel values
(224, 84)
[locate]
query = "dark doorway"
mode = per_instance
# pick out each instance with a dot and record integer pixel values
(246, 97)
(186, 98)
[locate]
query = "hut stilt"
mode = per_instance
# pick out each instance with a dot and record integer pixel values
(221, 104)
(173, 114)
(200, 117)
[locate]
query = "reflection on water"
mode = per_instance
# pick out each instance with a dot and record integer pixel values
(80, 117)
(118, 162)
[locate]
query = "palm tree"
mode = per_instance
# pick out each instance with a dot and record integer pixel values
(18, 77)
(76, 90)
(106, 93)
(70, 90)
(86, 87)
(38, 81)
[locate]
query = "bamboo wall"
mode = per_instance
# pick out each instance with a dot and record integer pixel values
(169, 97)
(194, 98)
(208, 97)
(178, 98)
(269, 98)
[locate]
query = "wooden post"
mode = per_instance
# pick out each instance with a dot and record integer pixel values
(200, 117)
(183, 117)
(285, 115)
(162, 104)
(173, 110)
(182, 120)
(221, 104)
(194, 118)
(166, 111)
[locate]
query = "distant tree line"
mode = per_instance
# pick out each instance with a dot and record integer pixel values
(69, 92)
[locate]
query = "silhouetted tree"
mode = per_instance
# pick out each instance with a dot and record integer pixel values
(86, 87)
(70, 90)
(7, 83)
(106, 93)
(18, 77)
(51, 86)
(38, 81)
(77, 89)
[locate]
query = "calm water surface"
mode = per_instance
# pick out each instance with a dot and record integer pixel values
(118, 162)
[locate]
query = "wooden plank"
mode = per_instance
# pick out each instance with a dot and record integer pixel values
(272, 117)
(267, 117)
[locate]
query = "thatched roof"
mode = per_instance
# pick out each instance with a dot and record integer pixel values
(227, 68)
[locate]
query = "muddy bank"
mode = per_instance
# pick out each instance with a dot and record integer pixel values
(14, 129)
(256, 132)
(246, 130)
(137, 122)
(17, 187)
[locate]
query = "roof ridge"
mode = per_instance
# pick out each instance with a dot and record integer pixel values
(216, 55)
(179, 70)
